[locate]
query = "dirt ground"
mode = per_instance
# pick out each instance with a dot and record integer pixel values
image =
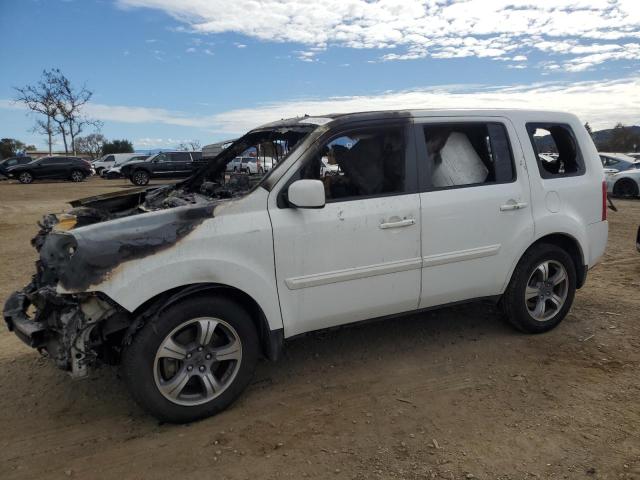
(451, 394)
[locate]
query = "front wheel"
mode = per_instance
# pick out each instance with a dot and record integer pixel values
(541, 290)
(25, 177)
(193, 361)
(140, 178)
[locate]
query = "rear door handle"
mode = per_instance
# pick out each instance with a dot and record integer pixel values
(406, 222)
(513, 205)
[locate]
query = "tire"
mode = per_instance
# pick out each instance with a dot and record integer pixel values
(625, 187)
(25, 177)
(140, 177)
(235, 169)
(147, 371)
(261, 171)
(529, 288)
(77, 176)
(99, 171)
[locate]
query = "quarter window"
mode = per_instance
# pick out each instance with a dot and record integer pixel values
(467, 155)
(556, 150)
(360, 163)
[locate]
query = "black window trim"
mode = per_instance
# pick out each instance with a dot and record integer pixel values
(411, 180)
(545, 126)
(425, 167)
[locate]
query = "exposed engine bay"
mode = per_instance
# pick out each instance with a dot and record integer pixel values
(59, 314)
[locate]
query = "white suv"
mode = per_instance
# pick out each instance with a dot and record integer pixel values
(107, 162)
(187, 285)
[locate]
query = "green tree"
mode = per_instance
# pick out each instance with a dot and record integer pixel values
(588, 129)
(117, 146)
(10, 147)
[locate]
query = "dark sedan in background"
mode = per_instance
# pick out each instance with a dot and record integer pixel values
(65, 168)
(12, 162)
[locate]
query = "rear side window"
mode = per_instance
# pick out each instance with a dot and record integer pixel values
(181, 157)
(556, 150)
(467, 154)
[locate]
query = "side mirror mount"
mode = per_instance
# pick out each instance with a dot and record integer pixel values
(306, 194)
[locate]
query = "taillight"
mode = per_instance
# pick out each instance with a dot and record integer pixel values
(604, 200)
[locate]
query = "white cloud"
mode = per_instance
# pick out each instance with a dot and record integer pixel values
(601, 103)
(415, 29)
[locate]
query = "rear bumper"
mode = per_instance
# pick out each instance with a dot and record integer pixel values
(597, 234)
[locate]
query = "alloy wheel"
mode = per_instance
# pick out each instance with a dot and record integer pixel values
(197, 361)
(25, 177)
(546, 290)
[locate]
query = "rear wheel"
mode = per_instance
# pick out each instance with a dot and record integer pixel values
(193, 361)
(625, 187)
(140, 177)
(25, 177)
(541, 290)
(76, 176)
(99, 171)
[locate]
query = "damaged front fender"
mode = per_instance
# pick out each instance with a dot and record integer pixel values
(85, 257)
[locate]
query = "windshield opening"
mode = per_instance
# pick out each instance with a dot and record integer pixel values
(255, 155)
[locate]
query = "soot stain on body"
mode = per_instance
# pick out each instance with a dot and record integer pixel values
(86, 258)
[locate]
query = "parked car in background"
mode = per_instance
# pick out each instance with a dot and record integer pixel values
(60, 167)
(176, 164)
(625, 183)
(187, 285)
(12, 162)
(115, 172)
(618, 161)
(112, 160)
(234, 165)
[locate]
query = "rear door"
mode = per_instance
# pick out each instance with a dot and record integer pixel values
(51, 167)
(358, 257)
(476, 215)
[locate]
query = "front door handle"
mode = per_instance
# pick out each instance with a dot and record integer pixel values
(513, 205)
(405, 222)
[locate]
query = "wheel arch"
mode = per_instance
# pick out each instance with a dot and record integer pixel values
(566, 242)
(271, 341)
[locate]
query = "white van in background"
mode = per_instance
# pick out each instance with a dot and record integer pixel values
(112, 160)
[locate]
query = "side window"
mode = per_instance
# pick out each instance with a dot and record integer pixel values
(11, 162)
(181, 157)
(110, 158)
(363, 163)
(556, 150)
(163, 157)
(468, 154)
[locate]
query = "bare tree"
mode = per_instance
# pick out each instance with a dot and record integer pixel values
(42, 98)
(91, 144)
(69, 103)
(191, 145)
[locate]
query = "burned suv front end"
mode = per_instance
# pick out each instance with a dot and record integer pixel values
(63, 312)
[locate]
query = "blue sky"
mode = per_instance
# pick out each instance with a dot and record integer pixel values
(168, 71)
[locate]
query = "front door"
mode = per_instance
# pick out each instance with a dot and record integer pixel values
(476, 214)
(358, 257)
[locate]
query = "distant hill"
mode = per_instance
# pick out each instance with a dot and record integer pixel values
(602, 139)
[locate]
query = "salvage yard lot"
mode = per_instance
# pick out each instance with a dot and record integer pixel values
(453, 393)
